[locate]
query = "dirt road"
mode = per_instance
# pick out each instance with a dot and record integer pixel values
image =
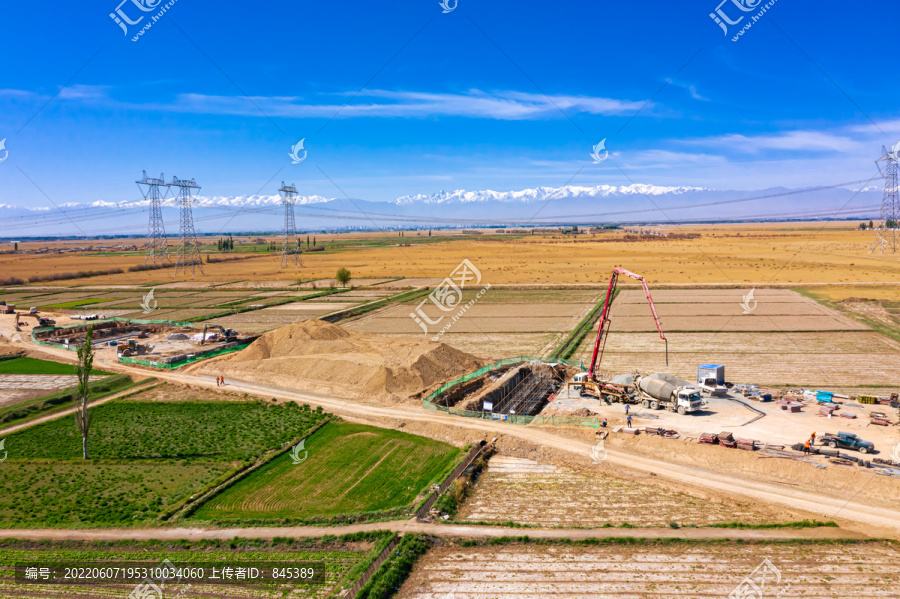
(55, 415)
(403, 526)
(735, 486)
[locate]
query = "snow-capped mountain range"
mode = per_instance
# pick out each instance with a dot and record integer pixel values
(198, 201)
(542, 194)
(631, 204)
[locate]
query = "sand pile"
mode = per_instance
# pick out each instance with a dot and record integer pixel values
(325, 359)
(6, 347)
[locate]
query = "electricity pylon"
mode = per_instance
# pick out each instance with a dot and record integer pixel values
(188, 253)
(290, 248)
(157, 248)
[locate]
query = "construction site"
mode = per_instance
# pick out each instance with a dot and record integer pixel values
(431, 320)
(572, 412)
(162, 344)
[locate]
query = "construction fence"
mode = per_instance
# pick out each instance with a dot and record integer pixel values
(428, 402)
(190, 359)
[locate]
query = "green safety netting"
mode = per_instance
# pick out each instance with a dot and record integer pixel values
(190, 360)
(428, 402)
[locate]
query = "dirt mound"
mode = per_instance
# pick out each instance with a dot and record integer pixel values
(583, 412)
(325, 359)
(6, 347)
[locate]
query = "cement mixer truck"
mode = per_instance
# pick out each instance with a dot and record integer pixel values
(663, 391)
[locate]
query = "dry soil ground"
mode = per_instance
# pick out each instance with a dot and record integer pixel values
(684, 571)
(736, 414)
(740, 255)
(266, 319)
(19, 387)
(550, 495)
(787, 340)
(501, 323)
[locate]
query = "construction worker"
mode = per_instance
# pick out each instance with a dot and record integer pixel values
(806, 446)
(628, 420)
(603, 424)
(627, 408)
(812, 439)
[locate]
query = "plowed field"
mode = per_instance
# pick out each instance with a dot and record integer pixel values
(656, 570)
(519, 490)
(786, 339)
(500, 324)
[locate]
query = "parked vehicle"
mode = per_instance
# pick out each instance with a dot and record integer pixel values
(656, 391)
(606, 390)
(847, 441)
(662, 391)
(710, 386)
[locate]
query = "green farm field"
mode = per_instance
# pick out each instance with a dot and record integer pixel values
(337, 561)
(74, 304)
(74, 493)
(35, 366)
(191, 430)
(146, 458)
(350, 469)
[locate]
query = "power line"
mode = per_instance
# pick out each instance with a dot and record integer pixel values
(84, 214)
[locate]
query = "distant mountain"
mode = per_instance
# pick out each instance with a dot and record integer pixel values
(542, 194)
(201, 202)
(632, 204)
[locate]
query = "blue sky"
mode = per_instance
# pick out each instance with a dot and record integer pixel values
(494, 95)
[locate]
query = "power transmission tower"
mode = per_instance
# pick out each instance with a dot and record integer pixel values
(290, 246)
(157, 248)
(886, 231)
(188, 253)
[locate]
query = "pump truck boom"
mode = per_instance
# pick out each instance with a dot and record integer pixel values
(603, 328)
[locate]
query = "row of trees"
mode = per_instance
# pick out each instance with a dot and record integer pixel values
(888, 224)
(226, 244)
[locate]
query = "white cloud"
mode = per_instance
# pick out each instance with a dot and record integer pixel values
(666, 158)
(502, 105)
(790, 140)
(84, 92)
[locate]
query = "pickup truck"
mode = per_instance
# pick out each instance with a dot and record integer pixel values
(847, 441)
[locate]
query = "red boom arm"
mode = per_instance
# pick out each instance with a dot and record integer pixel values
(605, 319)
